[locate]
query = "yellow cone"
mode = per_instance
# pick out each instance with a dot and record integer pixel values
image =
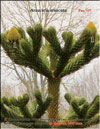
(13, 34)
(92, 28)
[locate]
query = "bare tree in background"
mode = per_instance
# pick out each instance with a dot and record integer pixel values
(7, 90)
(87, 84)
(18, 13)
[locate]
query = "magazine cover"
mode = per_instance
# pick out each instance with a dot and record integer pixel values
(50, 64)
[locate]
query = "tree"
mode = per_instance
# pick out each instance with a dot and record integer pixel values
(19, 114)
(81, 111)
(8, 90)
(80, 114)
(17, 13)
(86, 82)
(61, 62)
(28, 78)
(21, 15)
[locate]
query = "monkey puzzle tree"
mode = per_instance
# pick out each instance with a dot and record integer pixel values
(51, 60)
(81, 114)
(81, 111)
(18, 112)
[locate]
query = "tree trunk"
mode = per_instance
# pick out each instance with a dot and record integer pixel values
(53, 89)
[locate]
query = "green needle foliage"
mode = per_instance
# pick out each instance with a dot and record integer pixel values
(51, 60)
(81, 111)
(27, 51)
(17, 111)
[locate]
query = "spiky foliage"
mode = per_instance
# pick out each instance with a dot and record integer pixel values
(17, 111)
(28, 52)
(81, 111)
(51, 60)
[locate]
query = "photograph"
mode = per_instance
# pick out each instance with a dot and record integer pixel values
(50, 64)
